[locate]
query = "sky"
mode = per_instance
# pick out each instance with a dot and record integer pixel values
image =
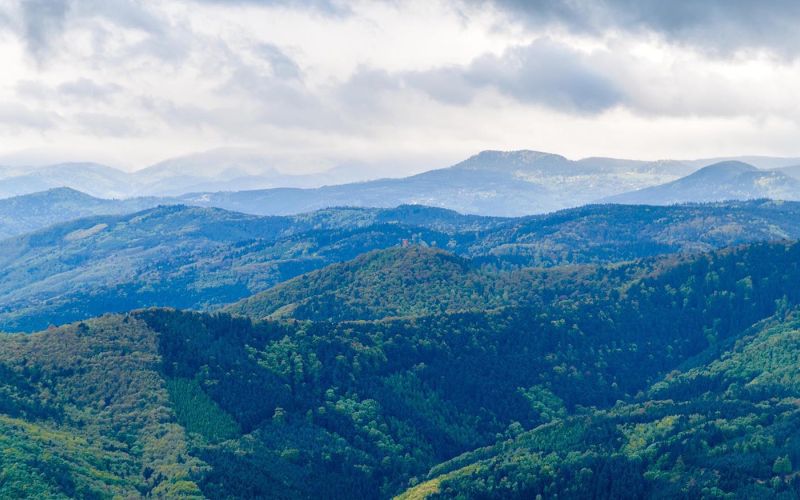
(401, 85)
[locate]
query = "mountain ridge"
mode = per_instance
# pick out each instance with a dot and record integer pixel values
(195, 257)
(728, 180)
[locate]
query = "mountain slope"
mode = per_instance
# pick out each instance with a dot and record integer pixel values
(189, 257)
(792, 171)
(166, 402)
(603, 233)
(86, 414)
(27, 213)
(201, 258)
(409, 282)
(490, 183)
(730, 180)
(724, 428)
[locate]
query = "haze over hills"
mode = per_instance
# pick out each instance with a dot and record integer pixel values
(729, 180)
(235, 170)
(91, 178)
(511, 183)
(524, 182)
(490, 183)
(216, 170)
(793, 171)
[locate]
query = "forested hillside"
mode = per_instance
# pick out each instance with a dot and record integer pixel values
(190, 257)
(643, 372)
(31, 212)
(420, 281)
(723, 427)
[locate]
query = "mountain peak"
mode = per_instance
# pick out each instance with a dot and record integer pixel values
(511, 160)
(51, 195)
(519, 155)
(726, 180)
(731, 167)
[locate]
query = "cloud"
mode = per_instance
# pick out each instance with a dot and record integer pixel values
(282, 65)
(105, 125)
(543, 73)
(81, 90)
(717, 27)
(41, 24)
(42, 21)
(329, 7)
(86, 89)
(354, 81)
(15, 116)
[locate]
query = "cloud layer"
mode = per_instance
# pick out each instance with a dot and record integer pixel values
(413, 84)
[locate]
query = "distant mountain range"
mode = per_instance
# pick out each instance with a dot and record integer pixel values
(218, 170)
(525, 182)
(91, 178)
(497, 183)
(490, 183)
(729, 180)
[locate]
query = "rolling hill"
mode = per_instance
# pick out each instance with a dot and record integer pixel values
(31, 212)
(191, 257)
(201, 258)
(730, 180)
(408, 282)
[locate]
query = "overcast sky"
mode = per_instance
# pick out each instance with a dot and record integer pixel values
(411, 84)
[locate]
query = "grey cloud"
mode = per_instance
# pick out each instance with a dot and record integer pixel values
(33, 89)
(329, 7)
(719, 27)
(41, 21)
(543, 73)
(367, 101)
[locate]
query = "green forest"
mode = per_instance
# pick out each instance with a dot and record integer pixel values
(413, 372)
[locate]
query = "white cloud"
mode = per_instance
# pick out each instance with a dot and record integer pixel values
(416, 84)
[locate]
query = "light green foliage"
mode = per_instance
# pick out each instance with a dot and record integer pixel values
(102, 422)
